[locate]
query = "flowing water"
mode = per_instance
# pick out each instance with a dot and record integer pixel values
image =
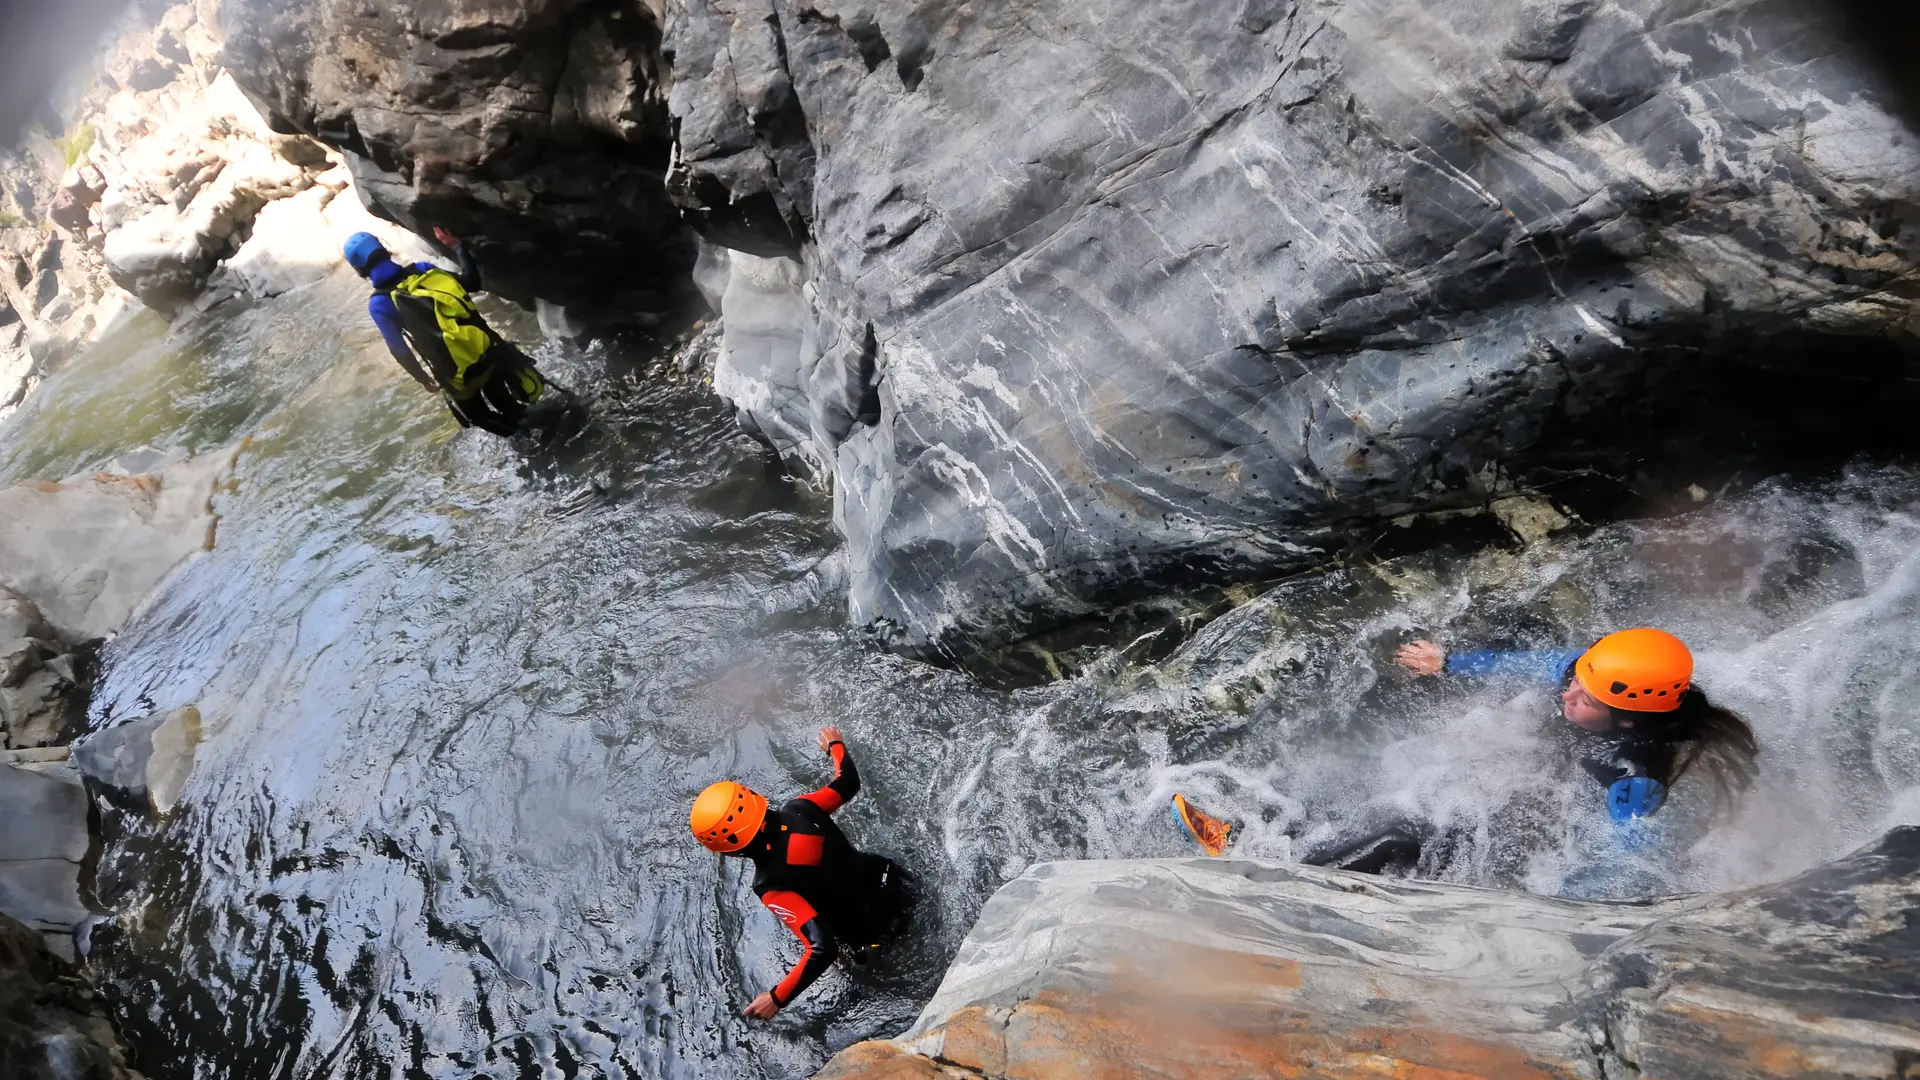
(458, 695)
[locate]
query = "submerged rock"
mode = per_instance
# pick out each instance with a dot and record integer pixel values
(1233, 968)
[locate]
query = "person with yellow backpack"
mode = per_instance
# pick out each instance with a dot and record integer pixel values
(427, 317)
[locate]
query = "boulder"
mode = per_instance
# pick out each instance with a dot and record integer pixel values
(89, 549)
(151, 757)
(291, 245)
(160, 258)
(1233, 968)
(536, 129)
(19, 618)
(166, 255)
(42, 846)
(1816, 977)
(39, 708)
(1269, 271)
(53, 1026)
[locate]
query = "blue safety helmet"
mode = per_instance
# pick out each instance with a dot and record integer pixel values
(363, 250)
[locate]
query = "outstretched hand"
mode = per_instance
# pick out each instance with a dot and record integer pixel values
(446, 238)
(763, 1008)
(829, 736)
(1422, 657)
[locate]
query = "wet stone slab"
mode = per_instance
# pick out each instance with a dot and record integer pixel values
(1231, 968)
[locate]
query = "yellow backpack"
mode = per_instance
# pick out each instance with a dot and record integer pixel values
(444, 328)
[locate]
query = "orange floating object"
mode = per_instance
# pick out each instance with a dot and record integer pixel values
(1212, 832)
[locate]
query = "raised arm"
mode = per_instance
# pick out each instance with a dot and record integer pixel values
(846, 779)
(469, 273)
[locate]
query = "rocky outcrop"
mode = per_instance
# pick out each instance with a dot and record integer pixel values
(188, 165)
(149, 758)
(43, 678)
(536, 129)
(1816, 977)
(164, 191)
(1071, 298)
(86, 551)
(43, 845)
(1231, 968)
(53, 1026)
(1147, 291)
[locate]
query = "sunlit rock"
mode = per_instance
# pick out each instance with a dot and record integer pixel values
(151, 757)
(89, 549)
(292, 244)
(1234, 968)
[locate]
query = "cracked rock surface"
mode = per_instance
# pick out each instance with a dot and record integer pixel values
(1154, 289)
(534, 129)
(1073, 301)
(1231, 968)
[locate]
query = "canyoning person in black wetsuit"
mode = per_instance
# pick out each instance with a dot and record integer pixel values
(806, 872)
(427, 317)
(1635, 723)
(1638, 724)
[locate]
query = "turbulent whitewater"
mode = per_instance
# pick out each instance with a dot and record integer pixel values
(457, 695)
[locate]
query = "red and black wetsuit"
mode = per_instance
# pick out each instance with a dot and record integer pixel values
(812, 878)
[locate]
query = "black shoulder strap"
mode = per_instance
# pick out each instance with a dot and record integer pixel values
(422, 326)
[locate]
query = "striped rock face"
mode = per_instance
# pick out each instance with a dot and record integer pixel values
(1205, 969)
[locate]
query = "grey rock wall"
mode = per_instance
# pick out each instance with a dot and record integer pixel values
(42, 847)
(535, 129)
(1231, 968)
(1158, 289)
(1071, 300)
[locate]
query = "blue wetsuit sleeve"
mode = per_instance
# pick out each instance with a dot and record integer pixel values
(1539, 665)
(387, 318)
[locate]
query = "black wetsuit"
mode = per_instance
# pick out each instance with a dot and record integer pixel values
(813, 879)
(1608, 757)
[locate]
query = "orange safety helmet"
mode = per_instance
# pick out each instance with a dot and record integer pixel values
(727, 816)
(1641, 670)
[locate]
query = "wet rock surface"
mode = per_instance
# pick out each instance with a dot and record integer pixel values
(52, 1025)
(45, 841)
(1228, 968)
(149, 758)
(1816, 977)
(536, 129)
(1268, 270)
(1272, 272)
(86, 551)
